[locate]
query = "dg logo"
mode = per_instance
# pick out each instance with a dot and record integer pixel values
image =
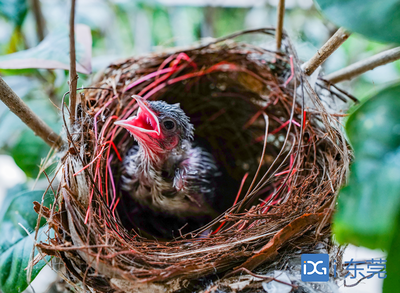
(315, 267)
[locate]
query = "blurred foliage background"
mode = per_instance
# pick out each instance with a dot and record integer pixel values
(123, 28)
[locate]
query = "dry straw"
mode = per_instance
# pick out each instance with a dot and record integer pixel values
(265, 125)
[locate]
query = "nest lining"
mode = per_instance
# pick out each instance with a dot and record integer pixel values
(248, 104)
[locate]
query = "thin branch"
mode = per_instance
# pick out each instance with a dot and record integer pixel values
(279, 24)
(365, 65)
(73, 77)
(40, 24)
(265, 278)
(326, 50)
(19, 108)
(346, 94)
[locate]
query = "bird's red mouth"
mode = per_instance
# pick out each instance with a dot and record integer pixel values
(145, 121)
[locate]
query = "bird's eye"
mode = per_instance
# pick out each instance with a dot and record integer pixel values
(169, 124)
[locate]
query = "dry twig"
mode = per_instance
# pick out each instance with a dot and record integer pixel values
(326, 50)
(19, 108)
(40, 25)
(73, 77)
(279, 24)
(365, 65)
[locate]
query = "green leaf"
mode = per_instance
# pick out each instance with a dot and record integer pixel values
(16, 42)
(28, 152)
(53, 52)
(16, 138)
(14, 10)
(14, 261)
(19, 72)
(229, 20)
(392, 281)
(369, 204)
(378, 20)
(10, 195)
(20, 210)
(15, 244)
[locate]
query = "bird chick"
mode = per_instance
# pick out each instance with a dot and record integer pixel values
(165, 171)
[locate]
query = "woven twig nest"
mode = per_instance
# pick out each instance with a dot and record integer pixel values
(264, 123)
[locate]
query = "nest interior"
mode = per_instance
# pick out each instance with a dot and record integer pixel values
(247, 103)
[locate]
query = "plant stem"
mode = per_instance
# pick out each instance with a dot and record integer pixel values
(208, 27)
(279, 24)
(40, 24)
(19, 108)
(73, 77)
(365, 65)
(326, 50)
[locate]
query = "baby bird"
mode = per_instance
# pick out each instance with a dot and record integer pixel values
(171, 181)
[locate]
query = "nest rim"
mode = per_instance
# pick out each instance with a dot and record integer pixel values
(204, 255)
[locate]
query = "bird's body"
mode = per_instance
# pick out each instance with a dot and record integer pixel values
(171, 181)
(182, 184)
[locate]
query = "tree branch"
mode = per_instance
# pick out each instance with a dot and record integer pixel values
(326, 50)
(365, 65)
(19, 108)
(40, 25)
(73, 77)
(279, 23)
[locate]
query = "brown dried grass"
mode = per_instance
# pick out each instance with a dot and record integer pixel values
(234, 93)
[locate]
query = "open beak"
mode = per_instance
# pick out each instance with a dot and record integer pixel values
(145, 121)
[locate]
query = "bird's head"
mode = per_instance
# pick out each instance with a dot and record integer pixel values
(158, 127)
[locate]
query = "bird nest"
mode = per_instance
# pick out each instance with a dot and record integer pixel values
(265, 126)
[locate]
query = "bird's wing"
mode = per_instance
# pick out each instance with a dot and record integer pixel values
(196, 175)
